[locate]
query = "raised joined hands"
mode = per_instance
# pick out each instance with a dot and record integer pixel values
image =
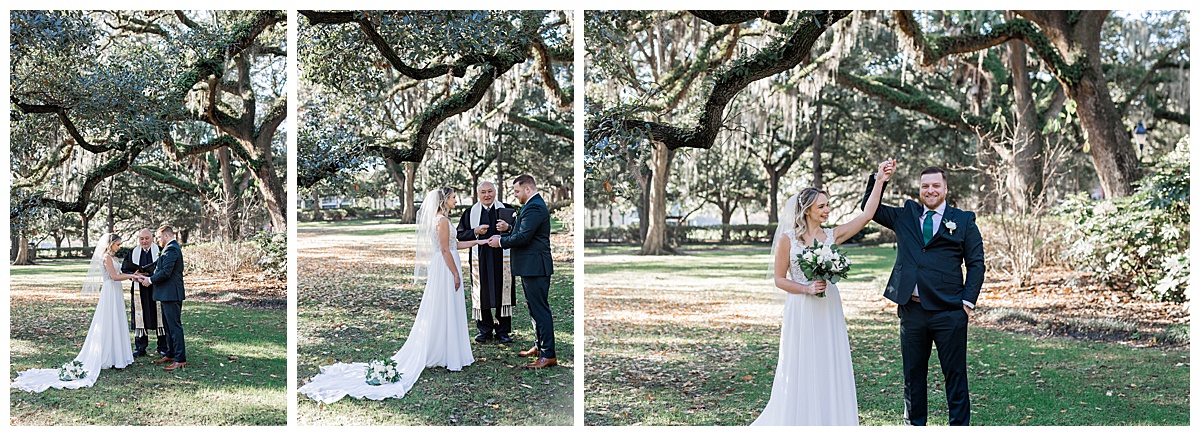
(886, 168)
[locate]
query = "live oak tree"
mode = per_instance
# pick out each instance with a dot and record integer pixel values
(95, 95)
(397, 86)
(683, 85)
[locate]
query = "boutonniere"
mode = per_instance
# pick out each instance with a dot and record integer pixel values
(951, 226)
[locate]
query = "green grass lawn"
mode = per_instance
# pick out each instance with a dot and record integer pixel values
(694, 340)
(357, 303)
(237, 363)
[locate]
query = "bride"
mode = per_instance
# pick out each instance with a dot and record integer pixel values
(107, 343)
(439, 334)
(814, 379)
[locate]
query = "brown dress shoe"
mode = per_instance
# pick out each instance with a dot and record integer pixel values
(532, 352)
(175, 366)
(542, 362)
(164, 360)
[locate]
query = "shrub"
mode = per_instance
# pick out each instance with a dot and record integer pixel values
(566, 218)
(1140, 240)
(1016, 244)
(223, 259)
(273, 248)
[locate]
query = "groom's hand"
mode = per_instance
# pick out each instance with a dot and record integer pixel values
(494, 242)
(502, 225)
(968, 310)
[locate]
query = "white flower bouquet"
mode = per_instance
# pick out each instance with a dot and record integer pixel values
(72, 370)
(823, 262)
(381, 372)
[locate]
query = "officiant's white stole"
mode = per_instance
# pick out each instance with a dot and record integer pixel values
(139, 322)
(506, 294)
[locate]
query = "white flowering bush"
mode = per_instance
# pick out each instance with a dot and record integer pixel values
(823, 262)
(1139, 241)
(72, 370)
(382, 372)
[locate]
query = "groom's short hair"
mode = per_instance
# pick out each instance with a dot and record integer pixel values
(935, 170)
(166, 229)
(525, 180)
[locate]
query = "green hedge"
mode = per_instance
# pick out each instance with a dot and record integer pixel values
(738, 234)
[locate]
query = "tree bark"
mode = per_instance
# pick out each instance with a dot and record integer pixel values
(410, 209)
(817, 145)
(228, 230)
(655, 241)
(1025, 169)
(24, 254)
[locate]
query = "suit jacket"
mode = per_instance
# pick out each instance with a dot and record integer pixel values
(935, 268)
(529, 239)
(168, 276)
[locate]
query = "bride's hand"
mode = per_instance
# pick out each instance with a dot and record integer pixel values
(886, 168)
(457, 282)
(817, 287)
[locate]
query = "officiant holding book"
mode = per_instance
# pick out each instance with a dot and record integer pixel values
(145, 314)
(492, 284)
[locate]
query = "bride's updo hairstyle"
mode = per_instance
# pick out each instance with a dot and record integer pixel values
(804, 201)
(112, 237)
(444, 193)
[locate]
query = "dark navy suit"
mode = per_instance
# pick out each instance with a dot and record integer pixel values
(936, 269)
(529, 239)
(168, 289)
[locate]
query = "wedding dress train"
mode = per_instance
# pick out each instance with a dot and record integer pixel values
(107, 344)
(439, 338)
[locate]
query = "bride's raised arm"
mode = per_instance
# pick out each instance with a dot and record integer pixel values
(112, 271)
(845, 231)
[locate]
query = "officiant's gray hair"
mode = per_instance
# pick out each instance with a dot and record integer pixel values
(804, 201)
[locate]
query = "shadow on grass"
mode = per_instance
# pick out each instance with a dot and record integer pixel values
(705, 354)
(357, 303)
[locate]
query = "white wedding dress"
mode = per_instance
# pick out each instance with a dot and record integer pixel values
(107, 344)
(814, 379)
(438, 338)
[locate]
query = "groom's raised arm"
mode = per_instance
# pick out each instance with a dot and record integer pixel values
(531, 219)
(884, 215)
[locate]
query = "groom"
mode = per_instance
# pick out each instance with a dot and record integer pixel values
(168, 290)
(530, 244)
(933, 242)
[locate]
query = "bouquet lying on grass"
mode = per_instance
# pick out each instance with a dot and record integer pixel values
(382, 372)
(823, 262)
(72, 370)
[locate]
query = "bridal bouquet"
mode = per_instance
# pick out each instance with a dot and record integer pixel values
(381, 372)
(823, 262)
(72, 370)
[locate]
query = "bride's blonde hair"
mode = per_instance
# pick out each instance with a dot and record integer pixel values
(804, 201)
(112, 238)
(444, 194)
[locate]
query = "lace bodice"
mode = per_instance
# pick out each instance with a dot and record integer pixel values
(797, 248)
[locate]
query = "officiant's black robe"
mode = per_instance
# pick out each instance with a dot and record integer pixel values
(144, 265)
(491, 275)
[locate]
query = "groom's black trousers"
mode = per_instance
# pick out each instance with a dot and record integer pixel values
(171, 316)
(537, 296)
(921, 328)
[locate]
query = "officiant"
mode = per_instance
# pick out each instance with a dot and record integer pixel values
(492, 284)
(145, 313)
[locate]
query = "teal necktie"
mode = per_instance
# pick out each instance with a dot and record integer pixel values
(927, 226)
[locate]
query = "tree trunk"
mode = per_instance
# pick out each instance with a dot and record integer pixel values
(85, 221)
(773, 194)
(24, 254)
(655, 242)
(1025, 170)
(726, 218)
(316, 206)
(111, 223)
(410, 210)
(274, 196)
(817, 144)
(228, 230)
(1111, 150)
